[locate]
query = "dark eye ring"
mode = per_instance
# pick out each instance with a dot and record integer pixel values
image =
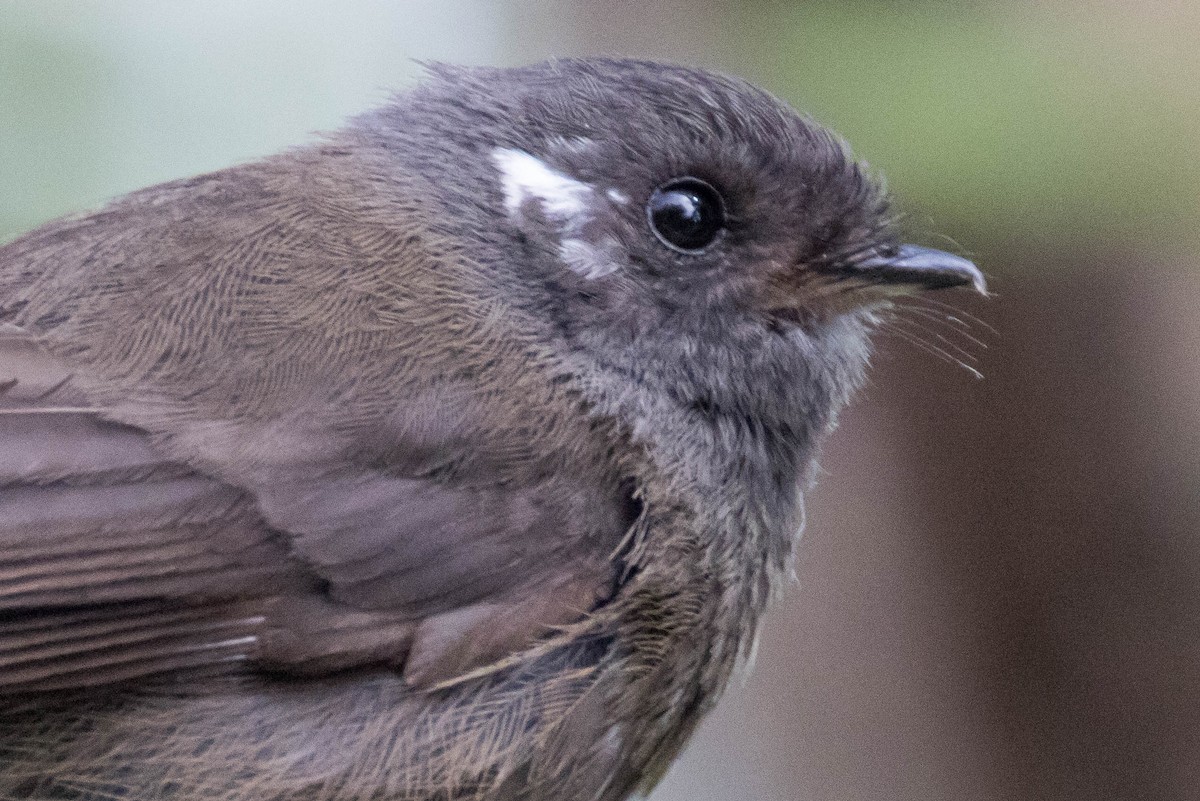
(686, 214)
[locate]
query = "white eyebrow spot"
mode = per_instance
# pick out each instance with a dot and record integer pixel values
(617, 196)
(523, 177)
(576, 144)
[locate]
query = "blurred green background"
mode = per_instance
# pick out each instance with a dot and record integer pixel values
(1000, 584)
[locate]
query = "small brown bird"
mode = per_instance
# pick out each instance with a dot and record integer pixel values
(454, 456)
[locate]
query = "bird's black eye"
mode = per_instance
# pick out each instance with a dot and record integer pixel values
(686, 214)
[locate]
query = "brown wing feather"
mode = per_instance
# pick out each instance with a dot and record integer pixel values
(106, 544)
(117, 561)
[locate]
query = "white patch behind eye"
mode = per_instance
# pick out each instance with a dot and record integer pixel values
(566, 201)
(524, 176)
(587, 259)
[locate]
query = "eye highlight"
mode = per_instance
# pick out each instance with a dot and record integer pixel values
(686, 214)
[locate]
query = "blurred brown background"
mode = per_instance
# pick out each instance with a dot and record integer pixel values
(999, 590)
